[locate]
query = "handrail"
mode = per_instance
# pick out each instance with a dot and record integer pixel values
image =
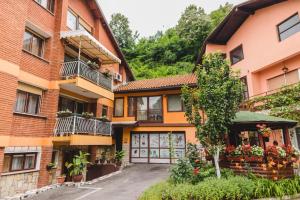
(79, 125)
(81, 69)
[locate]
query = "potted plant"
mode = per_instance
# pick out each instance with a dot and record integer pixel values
(103, 156)
(106, 74)
(87, 115)
(64, 113)
(92, 64)
(77, 166)
(50, 166)
(61, 179)
(119, 157)
(256, 155)
(264, 130)
(104, 118)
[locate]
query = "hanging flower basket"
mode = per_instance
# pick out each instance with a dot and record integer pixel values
(264, 130)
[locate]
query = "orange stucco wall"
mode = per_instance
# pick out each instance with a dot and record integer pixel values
(264, 54)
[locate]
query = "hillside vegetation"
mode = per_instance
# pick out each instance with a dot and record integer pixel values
(171, 52)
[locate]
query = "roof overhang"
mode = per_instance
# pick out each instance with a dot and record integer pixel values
(232, 22)
(89, 45)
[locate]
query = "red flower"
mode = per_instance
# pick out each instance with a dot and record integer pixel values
(196, 171)
(230, 149)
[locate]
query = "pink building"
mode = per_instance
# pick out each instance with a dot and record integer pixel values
(261, 39)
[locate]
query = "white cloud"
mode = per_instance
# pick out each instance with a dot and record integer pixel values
(149, 16)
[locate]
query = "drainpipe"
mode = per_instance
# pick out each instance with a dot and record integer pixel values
(79, 52)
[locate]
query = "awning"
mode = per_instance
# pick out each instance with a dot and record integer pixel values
(253, 118)
(89, 45)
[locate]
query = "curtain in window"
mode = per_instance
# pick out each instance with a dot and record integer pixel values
(142, 106)
(119, 106)
(33, 104)
(6, 163)
(37, 46)
(131, 106)
(21, 102)
(29, 161)
(155, 108)
(17, 162)
(174, 103)
(26, 41)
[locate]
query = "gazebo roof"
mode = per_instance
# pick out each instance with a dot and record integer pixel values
(251, 118)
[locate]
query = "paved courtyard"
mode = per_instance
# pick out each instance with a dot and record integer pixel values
(127, 185)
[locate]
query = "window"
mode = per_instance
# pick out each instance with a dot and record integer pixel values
(236, 55)
(104, 110)
(289, 27)
(27, 102)
(74, 22)
(131, 106)
(149, 109)
(245, 88)
(119, 107)
(48, 4)
(175, 103)
(33, 43)
(72, 105)
(288, 78)
(18, 162)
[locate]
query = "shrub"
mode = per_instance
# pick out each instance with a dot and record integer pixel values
(182, 171)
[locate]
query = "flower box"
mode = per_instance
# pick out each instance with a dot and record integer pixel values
(235, 158)
(253, 158)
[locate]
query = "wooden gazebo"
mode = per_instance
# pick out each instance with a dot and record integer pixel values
(256, 143)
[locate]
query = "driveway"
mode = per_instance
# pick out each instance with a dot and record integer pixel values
(127, 185)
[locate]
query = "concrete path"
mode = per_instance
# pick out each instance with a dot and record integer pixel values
(127, 185)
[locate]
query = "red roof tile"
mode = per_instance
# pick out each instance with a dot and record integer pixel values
(158, 83)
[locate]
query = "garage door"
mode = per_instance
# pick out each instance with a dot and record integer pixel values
(153, 147)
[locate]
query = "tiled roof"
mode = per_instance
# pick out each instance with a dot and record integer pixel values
(158, 83)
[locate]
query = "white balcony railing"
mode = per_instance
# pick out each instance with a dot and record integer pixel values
(81, 69)
(79, 125)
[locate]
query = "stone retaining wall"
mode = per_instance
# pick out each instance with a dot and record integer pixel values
(18, 183)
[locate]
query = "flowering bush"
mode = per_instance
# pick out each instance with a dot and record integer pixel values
(275, 152)
(257, 151)
(264, 130)
(230, 150)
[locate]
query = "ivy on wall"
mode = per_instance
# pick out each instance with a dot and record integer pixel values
(284, 103)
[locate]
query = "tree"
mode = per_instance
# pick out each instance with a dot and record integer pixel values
(193, 27)
(119, 25)
(218, 93)
(218, 15)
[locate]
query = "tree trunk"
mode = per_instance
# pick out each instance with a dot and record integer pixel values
(216, 161)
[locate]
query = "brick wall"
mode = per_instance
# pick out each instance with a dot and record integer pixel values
(8, 86)
(46, 159)
(1, 159)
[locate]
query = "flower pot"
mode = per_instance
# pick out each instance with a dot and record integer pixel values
(60, 179)
(77, 178)
(253, 158)
(119, 163)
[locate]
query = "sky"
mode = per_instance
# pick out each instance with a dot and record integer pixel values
(149, 16)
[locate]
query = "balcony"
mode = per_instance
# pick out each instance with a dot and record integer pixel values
(71, 125)
(81, 69)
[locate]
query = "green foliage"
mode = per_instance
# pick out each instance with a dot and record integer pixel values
(182, 171)
(119, 155)
(193, 155)
(284, 103)
(78, 164)
(171, 52)
(231, 188)
(218, 15)
(124, 35)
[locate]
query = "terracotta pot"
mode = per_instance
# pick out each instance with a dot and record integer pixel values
(77, 178)
(60, 179)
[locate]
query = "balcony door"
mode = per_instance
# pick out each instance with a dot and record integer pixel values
(72, 105)
(149, 109)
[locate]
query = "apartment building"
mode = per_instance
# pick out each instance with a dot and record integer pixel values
(261, 40)
(55, 55)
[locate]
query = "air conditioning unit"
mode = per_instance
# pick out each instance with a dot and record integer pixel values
(118, 77)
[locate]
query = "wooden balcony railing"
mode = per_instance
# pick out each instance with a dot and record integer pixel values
(79, 125)
(81, 69)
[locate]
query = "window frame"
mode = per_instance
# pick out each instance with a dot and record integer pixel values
(78, 19)
(33, 34)
(11, 155)
(104, 107)
(182, 104)
(134, 106)
(115, 107)
(245, 93)
(25, 108)
(277, 26)
(231, 52)
(148, 108)
(50, 5)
